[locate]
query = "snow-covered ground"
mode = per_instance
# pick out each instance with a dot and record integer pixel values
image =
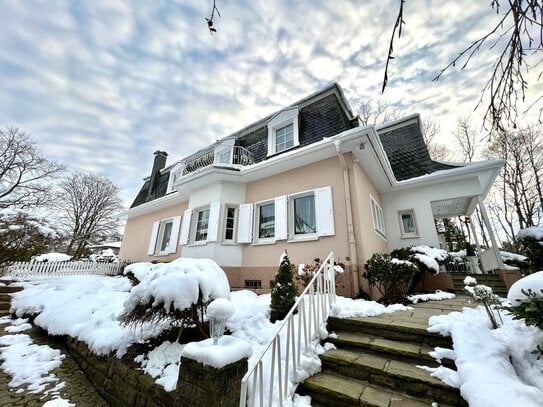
(29, 364)
(88, 308)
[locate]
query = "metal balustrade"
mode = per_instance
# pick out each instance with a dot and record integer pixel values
(297, 334)
(227, 156)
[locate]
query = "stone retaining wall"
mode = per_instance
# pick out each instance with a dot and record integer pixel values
(122, 386)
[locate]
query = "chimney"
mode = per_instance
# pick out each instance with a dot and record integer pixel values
(158, 164)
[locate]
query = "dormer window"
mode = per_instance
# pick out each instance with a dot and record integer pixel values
(283, 131)
(175, 175)
(223, 152)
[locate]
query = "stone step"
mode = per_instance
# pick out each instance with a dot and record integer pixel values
(5, 305)
(392, 374)
(405, 332)
(329, 389)
(5, 297)
(10, 289)
(407, 351)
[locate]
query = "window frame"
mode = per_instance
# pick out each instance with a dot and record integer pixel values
(292, 235)
(281, 120)
(225, 223)
(404, 234)
(196, 223)
(256, 232)
(378, 218)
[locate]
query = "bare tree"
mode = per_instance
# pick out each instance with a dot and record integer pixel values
(519, 35)
(89, 204)
(25, 174)
(372, 112)
(517, 201)
(430, 130)
(466, 138)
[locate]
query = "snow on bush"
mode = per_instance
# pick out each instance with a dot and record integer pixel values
(533, 232)
(495, 367)
(432, 252)
(52, 257)
(179, 284)
(533, 282)
(139, 270)
(470, 280)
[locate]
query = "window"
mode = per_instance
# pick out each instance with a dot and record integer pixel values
(304, 217)
(175, 175)
(283, 131)
(224, 157)
(284, 138)
(253, 284)
(378, 218)
(266, 221)
(408, 225)
(164, 235)
(229, 223)
(223, 152)
(202, 224)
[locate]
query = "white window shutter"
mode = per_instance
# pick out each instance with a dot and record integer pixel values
(281, 218)
(172, 246)
(245, 223)
(325, 211)
(185, 227)
(213, 222)
(152, 242)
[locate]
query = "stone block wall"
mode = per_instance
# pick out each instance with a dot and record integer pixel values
(122, 386)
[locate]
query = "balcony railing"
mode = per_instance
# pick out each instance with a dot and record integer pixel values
(228, 156)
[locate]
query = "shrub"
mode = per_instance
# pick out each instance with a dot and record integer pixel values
(531, 242)
(283, 294)
(530, 309)
(391, 276)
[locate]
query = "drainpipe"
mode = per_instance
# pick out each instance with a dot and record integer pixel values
(355, 289)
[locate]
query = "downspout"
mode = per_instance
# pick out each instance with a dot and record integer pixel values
(355, 289)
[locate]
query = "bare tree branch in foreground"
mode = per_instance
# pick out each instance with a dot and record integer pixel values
(24, 172)
(518, 33)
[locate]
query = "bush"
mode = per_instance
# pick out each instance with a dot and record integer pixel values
(391, 276)
(283, 294)
(529, 309)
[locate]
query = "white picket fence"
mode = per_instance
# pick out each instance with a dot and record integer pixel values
(25, 270)
(267, 382)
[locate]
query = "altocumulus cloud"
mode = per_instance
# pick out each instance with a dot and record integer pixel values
(101, 85)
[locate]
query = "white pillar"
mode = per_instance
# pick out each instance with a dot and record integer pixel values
(486, 221)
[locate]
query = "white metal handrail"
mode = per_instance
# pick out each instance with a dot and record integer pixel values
(302, 325)
(22, 270)
(224, 156)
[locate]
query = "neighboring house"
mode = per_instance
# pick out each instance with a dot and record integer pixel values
(309, 179)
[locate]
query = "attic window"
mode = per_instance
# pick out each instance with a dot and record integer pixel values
(175, 175)
(283, 131)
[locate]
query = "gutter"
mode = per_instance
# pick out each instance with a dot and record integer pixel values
(355, 289)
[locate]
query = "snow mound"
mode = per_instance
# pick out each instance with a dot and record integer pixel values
(220, 308)
(227, 351)
(533, 281)
(179, 284)
(533, 232)
(349, 308)
(437, 296)
(140, 270)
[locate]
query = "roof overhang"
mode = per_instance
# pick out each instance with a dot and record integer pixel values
(154, 205)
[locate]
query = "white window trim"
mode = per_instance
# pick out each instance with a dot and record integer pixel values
(194, 224)
(172, 179)
(407, 235)
(378, 218)
(256, 224)
(282, 119)
(223, 221)
(293, 237)
(157, 236)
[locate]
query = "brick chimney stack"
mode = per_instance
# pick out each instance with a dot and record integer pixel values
(158, 164)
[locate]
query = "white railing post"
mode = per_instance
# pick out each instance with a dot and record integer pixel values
(311, 310)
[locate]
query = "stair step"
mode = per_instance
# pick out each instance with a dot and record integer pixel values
(5, 305)
(393, 374)
(328, 389)
(407, 351)
(5, 297)
(405, 332)
(10, 289)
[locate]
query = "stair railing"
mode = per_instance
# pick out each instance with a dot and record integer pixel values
(298, 333)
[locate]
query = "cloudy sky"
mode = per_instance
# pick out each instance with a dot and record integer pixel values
(102, 84)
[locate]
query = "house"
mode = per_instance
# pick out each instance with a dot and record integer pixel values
(310, 179)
